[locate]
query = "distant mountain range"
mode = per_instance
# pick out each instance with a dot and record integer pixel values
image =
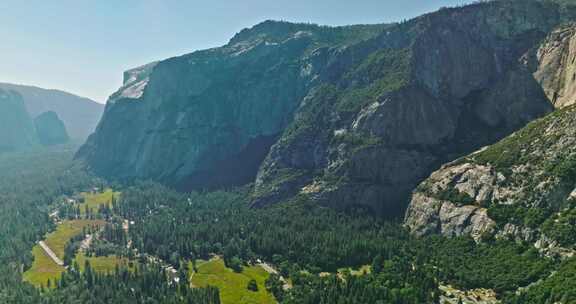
(80, 115)
(21, 132)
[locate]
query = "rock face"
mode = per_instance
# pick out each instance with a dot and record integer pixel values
(353, 116)
(16, 128)
(520, 188)
(80, 115)
(208, 119)
(50, 129)
(556, 60)
(445, 202)
(462, 81)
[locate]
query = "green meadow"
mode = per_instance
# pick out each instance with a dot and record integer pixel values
(93, 201)
(233, 286)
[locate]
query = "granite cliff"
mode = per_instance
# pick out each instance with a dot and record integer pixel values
(16, 127)
(521, 187)
(50, 129)
(20, 132)
(349, 116)
(80, 115)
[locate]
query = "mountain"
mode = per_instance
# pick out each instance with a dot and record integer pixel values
(50, 129)
(348, 116)
(209, 118)
(521, 188)
(20, 132)
(80, 115)
(16, 127)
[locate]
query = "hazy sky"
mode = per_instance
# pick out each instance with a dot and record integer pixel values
(83, 46)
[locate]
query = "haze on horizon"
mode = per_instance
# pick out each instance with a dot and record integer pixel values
(83, 47)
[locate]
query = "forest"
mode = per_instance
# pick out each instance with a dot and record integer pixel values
(315, 248)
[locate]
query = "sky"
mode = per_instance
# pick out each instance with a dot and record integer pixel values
(84, 46)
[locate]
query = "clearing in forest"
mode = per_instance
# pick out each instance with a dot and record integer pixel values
(44, 268)
(232, 285)
(104, 264)
(93, 200)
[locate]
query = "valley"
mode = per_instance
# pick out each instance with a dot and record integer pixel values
(427, 161)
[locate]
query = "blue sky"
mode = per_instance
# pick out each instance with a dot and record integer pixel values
(83, 46)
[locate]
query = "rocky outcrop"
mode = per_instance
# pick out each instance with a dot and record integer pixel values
(80, 115)
(352, 116)
(16, 128)
(428, 216)
(451, 202)
(520, 188)
(50, 129)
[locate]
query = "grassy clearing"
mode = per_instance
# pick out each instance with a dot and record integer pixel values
(43, 268)
(93, 201)
(58, 239)
(104, 264)
(233, 286)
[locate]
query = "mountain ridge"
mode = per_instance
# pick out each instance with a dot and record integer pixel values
(344, 121)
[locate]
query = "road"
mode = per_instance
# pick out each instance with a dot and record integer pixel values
(51, 253)
(269, 269)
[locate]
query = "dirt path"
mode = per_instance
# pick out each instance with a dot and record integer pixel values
(269, 269)
(51, 253)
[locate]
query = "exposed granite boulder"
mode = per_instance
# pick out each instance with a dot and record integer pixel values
(427, 216)
(451, 202)
(50, 129)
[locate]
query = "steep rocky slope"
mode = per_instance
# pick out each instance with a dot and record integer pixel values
(521, 188)
(16, 127)
(466, 82)
(208, 118)
(345, 121)
(50, 129)
(80, 115)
